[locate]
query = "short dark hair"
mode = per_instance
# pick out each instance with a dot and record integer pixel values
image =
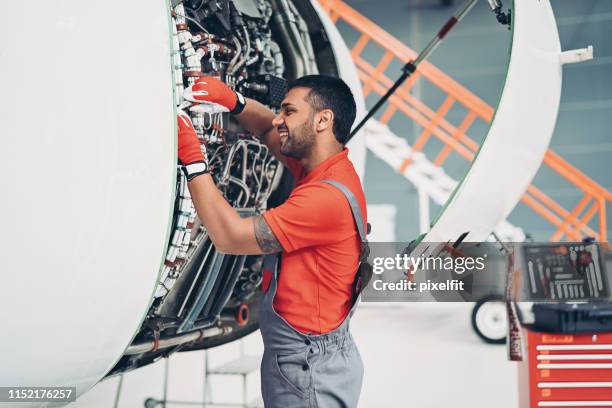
(327, 92)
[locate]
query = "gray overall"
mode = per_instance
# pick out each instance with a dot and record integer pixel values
(303, 370)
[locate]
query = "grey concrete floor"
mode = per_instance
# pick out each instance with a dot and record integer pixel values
(415, 355)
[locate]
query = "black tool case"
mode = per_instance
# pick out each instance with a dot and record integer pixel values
(573, 318)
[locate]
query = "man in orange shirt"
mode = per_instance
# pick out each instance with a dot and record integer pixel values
(310, 358)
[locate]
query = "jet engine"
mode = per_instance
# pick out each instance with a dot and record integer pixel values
(255, 46)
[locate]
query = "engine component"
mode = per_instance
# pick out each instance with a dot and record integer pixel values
(196, 282)
(502, 18)
(242, 166)
(241, 314)
(294, 33)
(172, 341)
(204, 297)
(269, 89)
(217, 10)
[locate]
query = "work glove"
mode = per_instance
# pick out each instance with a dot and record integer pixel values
(210, 90)
(190, 155)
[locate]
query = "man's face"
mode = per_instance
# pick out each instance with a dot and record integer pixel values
(295, 124)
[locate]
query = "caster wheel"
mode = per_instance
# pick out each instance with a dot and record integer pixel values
(489, 319)
(150, 403)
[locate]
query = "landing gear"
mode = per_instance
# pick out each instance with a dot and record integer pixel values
(489, 319)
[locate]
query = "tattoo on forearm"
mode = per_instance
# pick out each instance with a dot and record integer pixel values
(265, 237)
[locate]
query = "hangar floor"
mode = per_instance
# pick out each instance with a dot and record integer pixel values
(415, 355)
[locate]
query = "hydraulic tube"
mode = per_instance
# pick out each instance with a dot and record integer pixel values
(411, 66)
(172, 341)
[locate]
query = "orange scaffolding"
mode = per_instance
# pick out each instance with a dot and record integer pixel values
(573, 224)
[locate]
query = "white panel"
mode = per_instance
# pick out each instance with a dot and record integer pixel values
(574, 347)
(348, 72)
(575, 404)
(550, 357)
(598, 366)
(382, 218)
(568, 384)
(519, 135)
(87, 170)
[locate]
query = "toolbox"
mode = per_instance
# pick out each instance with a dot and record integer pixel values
(573, 318)
(567, 359)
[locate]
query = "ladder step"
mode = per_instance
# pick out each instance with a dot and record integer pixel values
(241, 366)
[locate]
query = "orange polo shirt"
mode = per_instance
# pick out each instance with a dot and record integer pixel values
(320, 243)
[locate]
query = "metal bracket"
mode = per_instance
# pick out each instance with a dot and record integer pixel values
(577, 55)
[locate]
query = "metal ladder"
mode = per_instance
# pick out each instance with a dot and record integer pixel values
(430, 180)
(242, 366)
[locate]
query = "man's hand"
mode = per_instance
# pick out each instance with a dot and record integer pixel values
(190, 153)
(208, 89)
(228, 231)
(254, 117)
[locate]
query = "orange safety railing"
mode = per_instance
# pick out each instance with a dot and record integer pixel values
(571, 224)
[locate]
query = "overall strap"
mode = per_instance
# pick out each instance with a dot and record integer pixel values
(270, 263)
(354, 207)
(364, 272)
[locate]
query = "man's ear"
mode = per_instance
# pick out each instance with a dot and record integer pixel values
(324, 120)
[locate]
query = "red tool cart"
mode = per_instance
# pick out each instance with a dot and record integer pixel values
(567, 337)
(566, 370)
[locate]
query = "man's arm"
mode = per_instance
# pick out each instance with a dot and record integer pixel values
(228, 231)
(257, 119)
